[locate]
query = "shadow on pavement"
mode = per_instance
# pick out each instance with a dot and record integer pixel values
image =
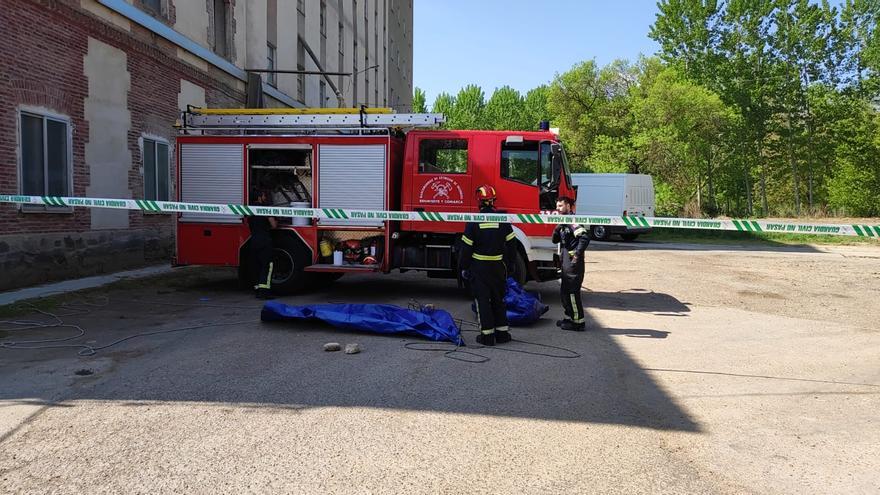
(711, 244)
(639, 300)
(283, 365)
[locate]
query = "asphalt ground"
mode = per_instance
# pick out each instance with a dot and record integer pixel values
(705, 370)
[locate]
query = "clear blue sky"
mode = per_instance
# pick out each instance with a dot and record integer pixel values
(521, 43)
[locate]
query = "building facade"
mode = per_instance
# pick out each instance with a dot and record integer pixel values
(90, 90)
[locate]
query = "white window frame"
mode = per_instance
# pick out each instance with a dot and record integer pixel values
(45, 114)
(156, 140)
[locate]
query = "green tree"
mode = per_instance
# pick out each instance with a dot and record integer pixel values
(535, 107)
(689, 34)
(849, 139)
(858, 40)
(504, 110)
(418, 101)
(680, 130)
(467, 113)
(445, 104)
(573, 100)
(594, 109)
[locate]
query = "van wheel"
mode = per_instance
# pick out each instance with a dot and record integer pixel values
(629, 237)
(599, 233)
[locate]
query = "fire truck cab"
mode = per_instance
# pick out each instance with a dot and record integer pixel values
(373, 160)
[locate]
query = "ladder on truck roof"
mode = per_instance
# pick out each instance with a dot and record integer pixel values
(303, 119)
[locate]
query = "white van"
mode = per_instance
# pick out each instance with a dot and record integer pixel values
(615, 195)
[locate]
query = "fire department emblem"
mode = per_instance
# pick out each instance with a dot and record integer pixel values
(441, 191)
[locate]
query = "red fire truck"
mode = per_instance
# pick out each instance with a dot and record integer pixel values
(367, 160)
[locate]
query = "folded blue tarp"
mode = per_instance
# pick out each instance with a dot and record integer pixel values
(434, 324)
(523, 308)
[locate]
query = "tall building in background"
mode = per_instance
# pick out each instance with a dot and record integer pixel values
(370, 39)
(90, 89)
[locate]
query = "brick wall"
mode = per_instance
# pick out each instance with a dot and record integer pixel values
(42, 52)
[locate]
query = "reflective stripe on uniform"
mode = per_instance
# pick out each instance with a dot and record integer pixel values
(488, 225)
(511, 236)
(576, 317)
(488, 331)
(505, 328)
(477, 305)
(268, 284)
(580, 231)
(467, 241)
(483, 257)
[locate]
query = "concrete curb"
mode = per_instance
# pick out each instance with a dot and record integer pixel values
(80, 284)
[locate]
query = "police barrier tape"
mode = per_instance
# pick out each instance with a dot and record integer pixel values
(740, 225)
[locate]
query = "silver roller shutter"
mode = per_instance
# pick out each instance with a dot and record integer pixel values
(211, 173)
(352, 177)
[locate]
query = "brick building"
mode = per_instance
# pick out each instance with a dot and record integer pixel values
(90, 89)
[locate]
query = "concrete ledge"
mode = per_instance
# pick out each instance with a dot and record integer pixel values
(80, 284)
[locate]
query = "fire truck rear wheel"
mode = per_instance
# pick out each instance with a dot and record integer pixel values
(290, 258)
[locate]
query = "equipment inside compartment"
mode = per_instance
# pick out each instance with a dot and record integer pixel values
(287, 173)
(352, 248)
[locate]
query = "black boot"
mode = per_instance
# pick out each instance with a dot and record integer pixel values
(502, 336)
(559, 323)
(575, 327)
(264, 294)
(487, 339)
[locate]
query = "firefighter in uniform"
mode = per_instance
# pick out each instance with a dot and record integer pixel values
(486, 247)
(261, 246)
(573, 241)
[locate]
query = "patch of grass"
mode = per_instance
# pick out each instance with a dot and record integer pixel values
(731, 237)
(27, 307)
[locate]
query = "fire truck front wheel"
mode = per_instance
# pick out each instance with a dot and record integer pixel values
(519, 270)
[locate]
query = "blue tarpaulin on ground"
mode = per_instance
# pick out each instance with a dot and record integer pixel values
(523, 308)
(434, 324)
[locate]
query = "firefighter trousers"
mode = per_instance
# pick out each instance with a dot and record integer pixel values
(261, 254)
(489, 284)
(572, 280)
